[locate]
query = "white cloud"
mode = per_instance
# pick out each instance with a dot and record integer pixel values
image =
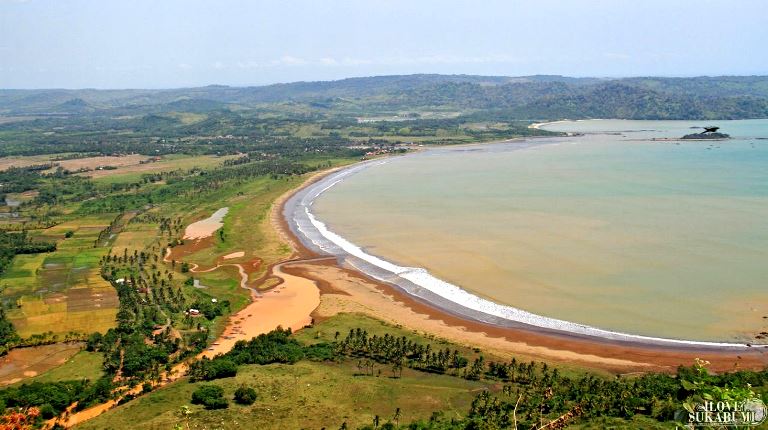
(327, 61)
(288, 60)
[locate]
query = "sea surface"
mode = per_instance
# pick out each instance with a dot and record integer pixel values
(609, 229)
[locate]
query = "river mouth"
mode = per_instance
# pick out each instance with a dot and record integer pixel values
(381, 208)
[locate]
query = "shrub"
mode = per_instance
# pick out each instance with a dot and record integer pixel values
(217, 404)
(47, 411)
(245, 395)
(210, 396)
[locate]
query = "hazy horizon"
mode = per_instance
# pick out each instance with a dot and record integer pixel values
(214, 84)
(176, 44)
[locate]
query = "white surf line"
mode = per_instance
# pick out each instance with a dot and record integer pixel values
(422, 278)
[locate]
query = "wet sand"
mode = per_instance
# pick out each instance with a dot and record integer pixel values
(206, 227)
(289, 305)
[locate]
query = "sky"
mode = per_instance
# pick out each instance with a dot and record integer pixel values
(182, 43)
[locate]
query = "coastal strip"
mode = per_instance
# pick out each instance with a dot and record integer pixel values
(421, 285)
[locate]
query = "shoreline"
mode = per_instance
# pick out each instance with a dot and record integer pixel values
(656, 352)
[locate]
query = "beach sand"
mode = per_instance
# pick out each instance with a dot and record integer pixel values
(234, 255)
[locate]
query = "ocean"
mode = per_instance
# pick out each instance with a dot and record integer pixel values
(608, 229)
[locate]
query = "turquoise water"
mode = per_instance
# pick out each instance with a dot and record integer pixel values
(608, 229)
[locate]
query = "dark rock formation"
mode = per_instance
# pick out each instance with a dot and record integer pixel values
(707, 136)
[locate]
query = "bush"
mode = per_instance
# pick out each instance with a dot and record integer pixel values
(207, 370)
(217, 404)
(245, 395)
(47, 411)
(210, 396)
(320, 352)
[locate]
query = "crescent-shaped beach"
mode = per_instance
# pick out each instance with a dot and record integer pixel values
(512, 329)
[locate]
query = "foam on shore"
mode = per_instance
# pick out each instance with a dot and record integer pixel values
(418, 282)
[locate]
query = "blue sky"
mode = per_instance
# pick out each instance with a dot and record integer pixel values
(177, 43)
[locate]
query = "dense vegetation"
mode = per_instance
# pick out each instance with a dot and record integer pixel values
(210, 396)
(53, 398)
(8, 333)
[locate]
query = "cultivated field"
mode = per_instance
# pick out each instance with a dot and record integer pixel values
(126, 167)
(62, 291)
(133, 172)
(24, 363)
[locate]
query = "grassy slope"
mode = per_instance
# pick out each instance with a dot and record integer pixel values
(315, 395)
(307, 394)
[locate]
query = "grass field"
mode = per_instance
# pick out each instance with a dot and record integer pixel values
(307, 394)
(24, 364)
(82, 365)
(133, 172)
(135, 236)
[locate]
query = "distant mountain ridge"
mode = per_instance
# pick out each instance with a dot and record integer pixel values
(539, 96)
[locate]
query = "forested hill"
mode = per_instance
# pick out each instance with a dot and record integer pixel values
(530, 97)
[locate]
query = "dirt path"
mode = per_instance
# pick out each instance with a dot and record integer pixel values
(289, 305)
